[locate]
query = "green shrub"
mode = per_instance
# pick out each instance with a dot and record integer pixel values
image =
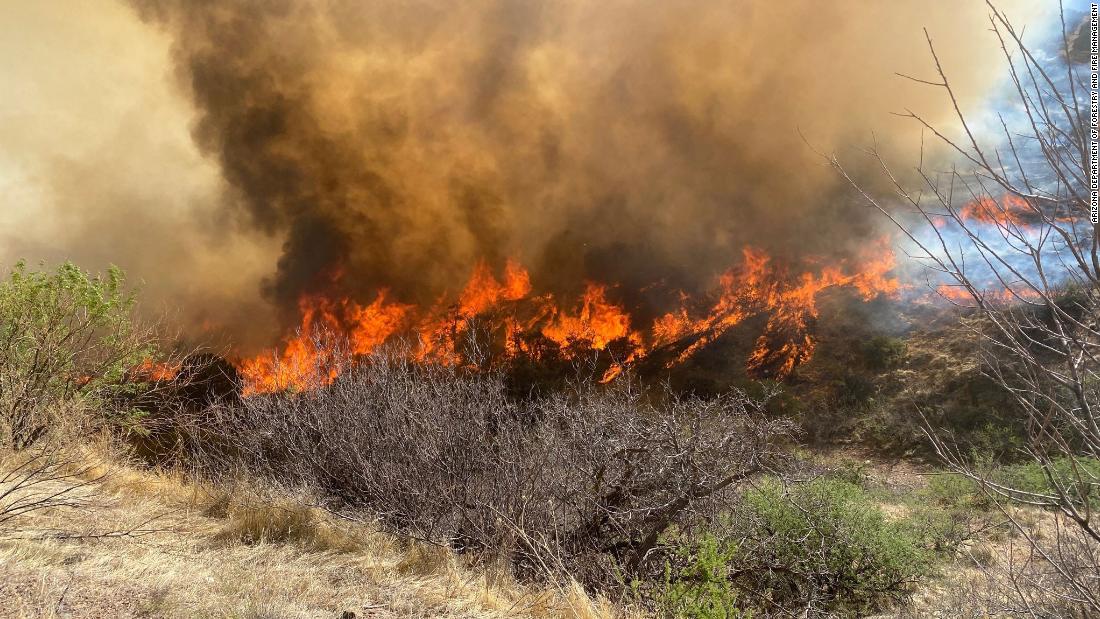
(951, 490)
(701, 586)
(883, 353)
(1081, 485)
(997, 440)
(823, 544)
(854, 391)
(958, 491)
(67, 338)
(826, 541)
(943, 529)
(854, 472)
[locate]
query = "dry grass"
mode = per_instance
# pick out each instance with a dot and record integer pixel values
(155, 545)
(1001, 575)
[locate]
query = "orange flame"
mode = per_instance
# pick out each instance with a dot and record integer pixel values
(302, 364)
(959, 295)
(760, 288)
(482, 294)
(755, 287)
(1012, 210)
(149, 370)
(597, 321)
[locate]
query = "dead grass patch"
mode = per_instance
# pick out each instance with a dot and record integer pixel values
(240, 551)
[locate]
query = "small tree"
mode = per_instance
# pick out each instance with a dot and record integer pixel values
(67, 339)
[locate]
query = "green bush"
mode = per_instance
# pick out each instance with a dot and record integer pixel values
(883, 353)
(997, 440)
(824, 544)
(854, 391)
(826, 541)
(951, 490)
(1081, 486)
(701, 587)
(67, 341)
(943, 529)
(854, 472)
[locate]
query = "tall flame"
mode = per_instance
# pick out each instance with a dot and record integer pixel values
(302, 364)
(755, 287)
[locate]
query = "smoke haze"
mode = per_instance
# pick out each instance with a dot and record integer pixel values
(237, 154)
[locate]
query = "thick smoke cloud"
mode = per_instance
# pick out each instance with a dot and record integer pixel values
(395, 144)
(98, 166)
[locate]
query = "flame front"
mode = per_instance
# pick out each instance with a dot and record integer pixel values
(302, 364)
(593, 322)
(597, 320)
(758, 287)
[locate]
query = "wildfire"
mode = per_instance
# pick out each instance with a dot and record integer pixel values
(483, 294)
(790, 303)
(597, 320)
(150, 370)
(302, 364)
(757, 286)
(959, 295)
(1011, 210)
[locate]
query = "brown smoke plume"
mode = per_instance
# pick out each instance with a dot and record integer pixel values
(395, 144)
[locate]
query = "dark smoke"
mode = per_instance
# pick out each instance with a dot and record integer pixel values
(394, 144)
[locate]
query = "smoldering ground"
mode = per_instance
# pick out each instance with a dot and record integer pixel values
(369, 145)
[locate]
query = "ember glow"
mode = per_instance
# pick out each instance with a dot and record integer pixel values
(150, 370)
(594, 321)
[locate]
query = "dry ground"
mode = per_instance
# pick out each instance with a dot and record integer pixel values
(150, 545)
(154, 545)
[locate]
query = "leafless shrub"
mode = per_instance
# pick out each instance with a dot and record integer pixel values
(1029, 266)
(584, 480)
(1054, 571)
(173, 408)
(40, 479)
